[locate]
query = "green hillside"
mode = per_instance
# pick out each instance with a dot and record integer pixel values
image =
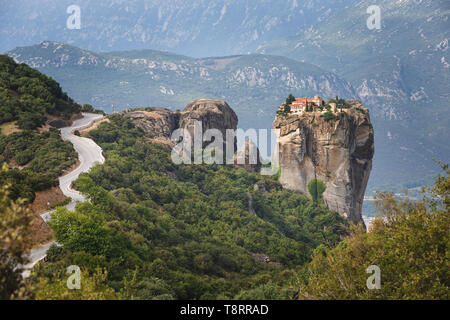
(182, 232)
(36, 154)
(26, 96)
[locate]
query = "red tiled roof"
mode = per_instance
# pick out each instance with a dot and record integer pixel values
(304, 100)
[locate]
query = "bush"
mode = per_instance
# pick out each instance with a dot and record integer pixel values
(409, 242)
(22, 158)
(328, 116)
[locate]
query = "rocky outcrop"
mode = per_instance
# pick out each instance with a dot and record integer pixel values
(212, 114)
(248, 157)
(339, 152)
(160, 122)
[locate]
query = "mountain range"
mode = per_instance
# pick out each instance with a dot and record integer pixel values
(253, 84)
(400, 72)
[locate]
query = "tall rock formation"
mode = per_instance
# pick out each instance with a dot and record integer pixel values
(161, 122)
(338, 151)
(212, 113)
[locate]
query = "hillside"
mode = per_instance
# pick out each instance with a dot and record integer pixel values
(33, 150)
(164, 231)
(29, 97)
(29, 101)
(400, 72)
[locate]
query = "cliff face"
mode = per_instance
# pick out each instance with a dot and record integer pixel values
(212, 113)
(340, 150)
(161, 122)
(248, 157)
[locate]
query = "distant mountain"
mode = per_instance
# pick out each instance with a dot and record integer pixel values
(254, 85)
(401, 72)
(193, 27)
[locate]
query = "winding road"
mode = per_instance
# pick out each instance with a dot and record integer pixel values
(89, 154)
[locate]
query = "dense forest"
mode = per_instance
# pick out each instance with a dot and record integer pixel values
(162, 231)
(26, 96)
(36, 153)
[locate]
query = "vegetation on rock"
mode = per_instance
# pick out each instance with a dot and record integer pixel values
(316, 188)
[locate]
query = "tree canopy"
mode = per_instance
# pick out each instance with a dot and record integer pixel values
(26, 96)
(409, 242)
(187, 228)
(15, 229)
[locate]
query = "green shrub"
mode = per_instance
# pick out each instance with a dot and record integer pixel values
(328, 116)
(316, 188)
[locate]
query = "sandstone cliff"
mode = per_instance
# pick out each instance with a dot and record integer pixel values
(161, 122)
(340, 151)
(212, 113)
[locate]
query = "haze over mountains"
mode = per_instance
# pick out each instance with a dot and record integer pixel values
(399, 72)
(196, 28)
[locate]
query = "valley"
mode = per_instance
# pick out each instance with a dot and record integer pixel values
(218, 150)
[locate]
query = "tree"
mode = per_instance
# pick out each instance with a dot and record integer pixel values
(87, 108)
(287, 109)
(316, 188)
(15, 230)
(409, 242)
(290, 99)
(328, 116)
(88, 230)
(93, 287)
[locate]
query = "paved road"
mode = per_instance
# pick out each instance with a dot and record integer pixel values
(36, 255)
(89, 153)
